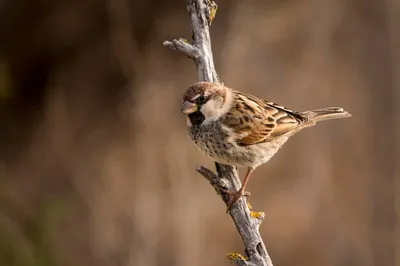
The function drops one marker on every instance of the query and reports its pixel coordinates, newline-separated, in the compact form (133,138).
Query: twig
(202,13)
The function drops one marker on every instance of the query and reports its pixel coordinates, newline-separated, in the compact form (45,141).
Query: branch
(202,13)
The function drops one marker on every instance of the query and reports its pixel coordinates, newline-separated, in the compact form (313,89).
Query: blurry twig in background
(202,13)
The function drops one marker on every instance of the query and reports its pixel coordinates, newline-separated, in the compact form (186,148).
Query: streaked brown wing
(256,121)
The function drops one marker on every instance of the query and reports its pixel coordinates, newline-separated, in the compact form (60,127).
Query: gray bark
(247,222)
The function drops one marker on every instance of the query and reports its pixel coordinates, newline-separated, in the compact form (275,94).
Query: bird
(242,130)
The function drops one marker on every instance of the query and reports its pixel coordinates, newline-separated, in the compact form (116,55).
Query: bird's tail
(326,114)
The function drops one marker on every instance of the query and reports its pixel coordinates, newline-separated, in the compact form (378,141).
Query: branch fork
(247,222)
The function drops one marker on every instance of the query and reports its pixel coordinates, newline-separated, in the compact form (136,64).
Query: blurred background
(95,164)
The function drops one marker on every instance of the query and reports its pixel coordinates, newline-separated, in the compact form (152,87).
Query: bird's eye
(201,99)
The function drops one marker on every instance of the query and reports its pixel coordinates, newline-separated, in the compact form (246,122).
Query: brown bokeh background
(95,164)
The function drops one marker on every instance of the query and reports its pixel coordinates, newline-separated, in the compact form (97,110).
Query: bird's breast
(217,143)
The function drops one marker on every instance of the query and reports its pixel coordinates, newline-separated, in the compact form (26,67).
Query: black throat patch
(196,118)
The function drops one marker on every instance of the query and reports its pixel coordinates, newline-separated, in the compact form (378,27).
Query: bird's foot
(234,197)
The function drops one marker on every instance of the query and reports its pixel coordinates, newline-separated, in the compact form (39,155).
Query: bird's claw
(234,197)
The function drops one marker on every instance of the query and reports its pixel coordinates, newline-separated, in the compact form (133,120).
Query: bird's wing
(255,120)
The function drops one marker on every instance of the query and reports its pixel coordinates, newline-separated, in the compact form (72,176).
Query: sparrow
(242,130)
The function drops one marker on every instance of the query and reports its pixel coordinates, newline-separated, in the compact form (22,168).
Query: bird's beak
(188,107)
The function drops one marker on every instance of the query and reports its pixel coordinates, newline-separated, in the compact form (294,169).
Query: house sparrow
(242,130)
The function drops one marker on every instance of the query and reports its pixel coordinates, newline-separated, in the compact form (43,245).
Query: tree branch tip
(200,168)
(184,47)
(221,184)
(207,173)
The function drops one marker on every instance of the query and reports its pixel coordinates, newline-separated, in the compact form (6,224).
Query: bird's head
(204,102)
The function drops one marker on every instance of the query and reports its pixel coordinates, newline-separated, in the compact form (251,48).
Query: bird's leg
(235,196)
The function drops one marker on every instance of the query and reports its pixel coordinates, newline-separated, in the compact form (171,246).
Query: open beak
(188,107)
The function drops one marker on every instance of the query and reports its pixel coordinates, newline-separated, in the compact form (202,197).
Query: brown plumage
(240,129)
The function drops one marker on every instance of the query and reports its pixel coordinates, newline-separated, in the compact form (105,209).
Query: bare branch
(183,46)
(202,13)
